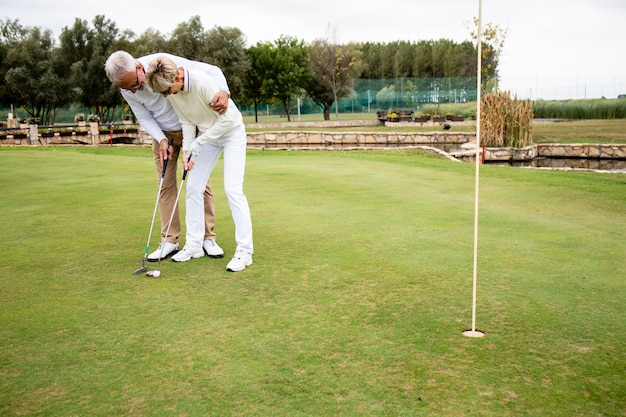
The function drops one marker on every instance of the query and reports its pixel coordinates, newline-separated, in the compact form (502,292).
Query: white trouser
(233,146)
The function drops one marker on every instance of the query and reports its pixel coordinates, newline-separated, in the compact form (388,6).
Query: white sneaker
(187,253)
(212,249)
(239,261)
(167,249)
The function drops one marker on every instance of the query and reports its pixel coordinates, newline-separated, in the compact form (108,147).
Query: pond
(594,164)
(610,162)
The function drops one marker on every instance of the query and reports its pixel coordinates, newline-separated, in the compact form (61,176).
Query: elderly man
(156,116)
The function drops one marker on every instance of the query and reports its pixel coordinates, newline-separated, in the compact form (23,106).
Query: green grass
(355,304)
(582,131)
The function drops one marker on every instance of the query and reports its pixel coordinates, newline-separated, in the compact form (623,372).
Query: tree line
(41,74)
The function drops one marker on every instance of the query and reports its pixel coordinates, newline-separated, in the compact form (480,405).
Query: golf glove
(194,149)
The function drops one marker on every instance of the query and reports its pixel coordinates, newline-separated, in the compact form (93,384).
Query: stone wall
(544,150)
(79,134)
(340,140)
(601,151)
(450,144)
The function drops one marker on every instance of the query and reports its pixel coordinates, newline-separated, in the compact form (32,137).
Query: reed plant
(505,121)
(600,109)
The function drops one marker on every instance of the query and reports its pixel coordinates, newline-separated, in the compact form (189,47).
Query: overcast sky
(554,49)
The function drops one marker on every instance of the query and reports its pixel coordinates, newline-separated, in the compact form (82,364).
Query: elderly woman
(206,136)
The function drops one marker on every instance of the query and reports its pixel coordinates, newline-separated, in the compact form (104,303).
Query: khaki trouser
(169,191)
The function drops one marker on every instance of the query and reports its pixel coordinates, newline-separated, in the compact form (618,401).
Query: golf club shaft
(156,205)
(182,181)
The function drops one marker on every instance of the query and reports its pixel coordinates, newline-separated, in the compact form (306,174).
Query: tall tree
(88,48)
(289,71)
(150,41)
(188,40)
(34,78)
(260,59)
(226,49)
(333,69)
(11,31)
(493,39)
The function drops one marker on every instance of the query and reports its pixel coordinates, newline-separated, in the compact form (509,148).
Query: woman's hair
(118,64)
(161,74)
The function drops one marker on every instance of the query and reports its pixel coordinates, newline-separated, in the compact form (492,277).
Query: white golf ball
(156,274)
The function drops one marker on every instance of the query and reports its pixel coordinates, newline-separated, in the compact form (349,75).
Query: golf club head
(140,270)
(143,267)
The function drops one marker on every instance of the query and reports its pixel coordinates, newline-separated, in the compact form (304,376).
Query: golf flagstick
(157,272)
(473,332)
(156,205)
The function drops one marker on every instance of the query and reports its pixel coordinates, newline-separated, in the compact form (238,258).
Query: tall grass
(505,121)
(580,109)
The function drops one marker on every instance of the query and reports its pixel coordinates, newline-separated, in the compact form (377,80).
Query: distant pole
(473,332)
(298,108)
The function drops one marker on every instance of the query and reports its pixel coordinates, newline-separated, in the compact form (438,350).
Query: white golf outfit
(218,134)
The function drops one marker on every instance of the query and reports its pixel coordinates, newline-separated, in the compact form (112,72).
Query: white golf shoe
(188,253)
(240,261)
(212,249)
(164,250)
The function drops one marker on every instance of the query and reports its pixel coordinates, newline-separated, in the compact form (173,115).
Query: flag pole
(473,332)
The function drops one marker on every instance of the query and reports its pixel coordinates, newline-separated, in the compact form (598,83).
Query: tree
(226,49)
(403,58)
(149,42)
(260,59)
(34,78)
(333,69)
(289,70)
(493,38)
(188,40)
(10,33)
(87,49)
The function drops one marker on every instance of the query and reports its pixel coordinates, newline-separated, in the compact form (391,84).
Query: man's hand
(165,149)
(220,102)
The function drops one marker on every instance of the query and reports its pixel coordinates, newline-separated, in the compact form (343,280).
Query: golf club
(156,205)
(157,272)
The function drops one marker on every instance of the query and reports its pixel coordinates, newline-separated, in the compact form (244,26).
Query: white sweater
(192,106)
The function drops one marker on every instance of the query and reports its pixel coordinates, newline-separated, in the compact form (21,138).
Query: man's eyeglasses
(136,86)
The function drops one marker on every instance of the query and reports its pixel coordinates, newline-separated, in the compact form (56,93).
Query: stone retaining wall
(545,150)
(452,144)
(582,150)
(339,140)
(81,134)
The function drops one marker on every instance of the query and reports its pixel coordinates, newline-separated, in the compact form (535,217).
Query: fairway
(355,304)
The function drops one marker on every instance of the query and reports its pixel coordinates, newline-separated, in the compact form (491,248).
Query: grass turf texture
(355,304)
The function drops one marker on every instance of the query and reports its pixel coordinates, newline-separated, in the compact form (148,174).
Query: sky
(554,49)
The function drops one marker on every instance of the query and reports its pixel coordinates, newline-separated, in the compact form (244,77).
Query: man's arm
(148,123)
(220,100)
(212,70)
